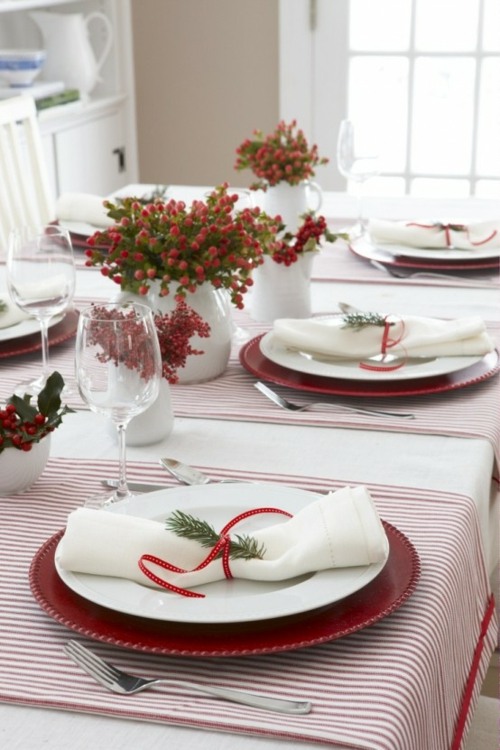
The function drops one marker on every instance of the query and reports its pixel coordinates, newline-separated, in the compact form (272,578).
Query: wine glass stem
(359,193)
(44,329)
(122,489)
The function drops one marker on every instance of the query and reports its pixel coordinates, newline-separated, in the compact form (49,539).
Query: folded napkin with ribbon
(10,314)
(405,336)
(83,207)
(342,529)
(436,235)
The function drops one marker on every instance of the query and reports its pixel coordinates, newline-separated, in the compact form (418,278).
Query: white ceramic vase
(281,291)
(292,201)
(214,306)
(20,469)
(156,423)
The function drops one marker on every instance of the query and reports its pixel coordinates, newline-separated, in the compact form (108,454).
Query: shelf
(13,5)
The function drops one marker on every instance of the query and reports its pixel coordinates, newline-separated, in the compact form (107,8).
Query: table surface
(453,464)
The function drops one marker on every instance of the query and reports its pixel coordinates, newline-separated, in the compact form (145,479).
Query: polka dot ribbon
(224,544)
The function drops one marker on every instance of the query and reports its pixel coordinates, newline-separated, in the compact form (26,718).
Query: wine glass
(41,281)
(118,370)
(356,167)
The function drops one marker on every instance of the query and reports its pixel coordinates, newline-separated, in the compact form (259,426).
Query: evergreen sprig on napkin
(188,526)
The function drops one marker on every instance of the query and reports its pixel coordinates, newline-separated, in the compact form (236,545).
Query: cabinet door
(90,156)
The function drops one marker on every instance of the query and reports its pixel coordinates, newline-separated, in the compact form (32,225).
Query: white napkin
(421,337)
(11,315)
(341,529)
(83,207)
(427,234)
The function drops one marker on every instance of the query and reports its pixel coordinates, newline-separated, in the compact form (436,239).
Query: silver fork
(126,684)
(290,406)
(403,274)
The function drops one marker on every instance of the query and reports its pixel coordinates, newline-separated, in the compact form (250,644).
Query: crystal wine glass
(41,281)
(356,167)
(118,371)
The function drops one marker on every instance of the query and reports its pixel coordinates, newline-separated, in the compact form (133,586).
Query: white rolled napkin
(430,235)
(420,337)
(11,314)
(83,207)
(342,529)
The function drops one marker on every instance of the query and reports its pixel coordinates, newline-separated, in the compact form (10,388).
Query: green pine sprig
(359,320)
(189,527)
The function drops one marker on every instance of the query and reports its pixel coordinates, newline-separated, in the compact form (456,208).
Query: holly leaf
(49,399)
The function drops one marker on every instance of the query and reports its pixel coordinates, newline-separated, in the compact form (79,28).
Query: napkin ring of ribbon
(448,228)
(386,344)
(223,544)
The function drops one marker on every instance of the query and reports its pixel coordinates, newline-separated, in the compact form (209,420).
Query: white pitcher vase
(211,304)
(281,291)
(70,55)
(292,201)
(156,423)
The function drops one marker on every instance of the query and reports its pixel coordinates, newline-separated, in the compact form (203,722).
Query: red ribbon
(387,343)
(455,227)
(223,544)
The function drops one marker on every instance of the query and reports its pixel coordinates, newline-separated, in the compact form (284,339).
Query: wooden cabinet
(90,146)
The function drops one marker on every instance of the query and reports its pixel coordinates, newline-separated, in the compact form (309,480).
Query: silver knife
(135,486)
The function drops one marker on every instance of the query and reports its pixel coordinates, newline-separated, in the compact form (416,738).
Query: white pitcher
(70,57)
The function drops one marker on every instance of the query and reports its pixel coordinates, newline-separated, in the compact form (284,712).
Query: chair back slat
(25,194)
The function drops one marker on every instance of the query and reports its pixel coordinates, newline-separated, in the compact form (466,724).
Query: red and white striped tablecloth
(470,412)
(408,682)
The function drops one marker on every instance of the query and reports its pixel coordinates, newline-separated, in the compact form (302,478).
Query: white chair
(25,192)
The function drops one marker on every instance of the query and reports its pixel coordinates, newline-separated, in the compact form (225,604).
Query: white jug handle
(109,35)
(316,190)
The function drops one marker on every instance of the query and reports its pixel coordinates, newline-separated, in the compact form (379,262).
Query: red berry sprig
(307,238)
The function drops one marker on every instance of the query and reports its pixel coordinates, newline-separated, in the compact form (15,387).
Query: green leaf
(49,399)
(25,410)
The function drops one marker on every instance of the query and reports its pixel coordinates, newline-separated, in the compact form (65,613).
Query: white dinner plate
(225,601)
(80,227)
(25,328)
(443,254)
(349,369)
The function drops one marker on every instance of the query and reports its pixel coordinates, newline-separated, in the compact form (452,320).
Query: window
(419,78)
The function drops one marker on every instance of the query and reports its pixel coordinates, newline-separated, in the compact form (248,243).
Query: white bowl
(20,67)
(20,469)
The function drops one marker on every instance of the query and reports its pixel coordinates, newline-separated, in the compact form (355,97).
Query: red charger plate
(58,333)
(382,596)
(255,362)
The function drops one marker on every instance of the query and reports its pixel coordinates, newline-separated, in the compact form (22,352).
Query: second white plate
(348,369)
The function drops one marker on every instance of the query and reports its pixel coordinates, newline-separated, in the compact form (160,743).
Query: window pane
(377,105)
(429,188)
(488,140)
(446,25)
(443,115)
(385,186)
(491,27)
(488,189)
(370,30)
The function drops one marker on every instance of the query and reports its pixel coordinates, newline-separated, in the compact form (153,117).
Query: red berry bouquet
(22,424)
(182,247)
(281,156)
